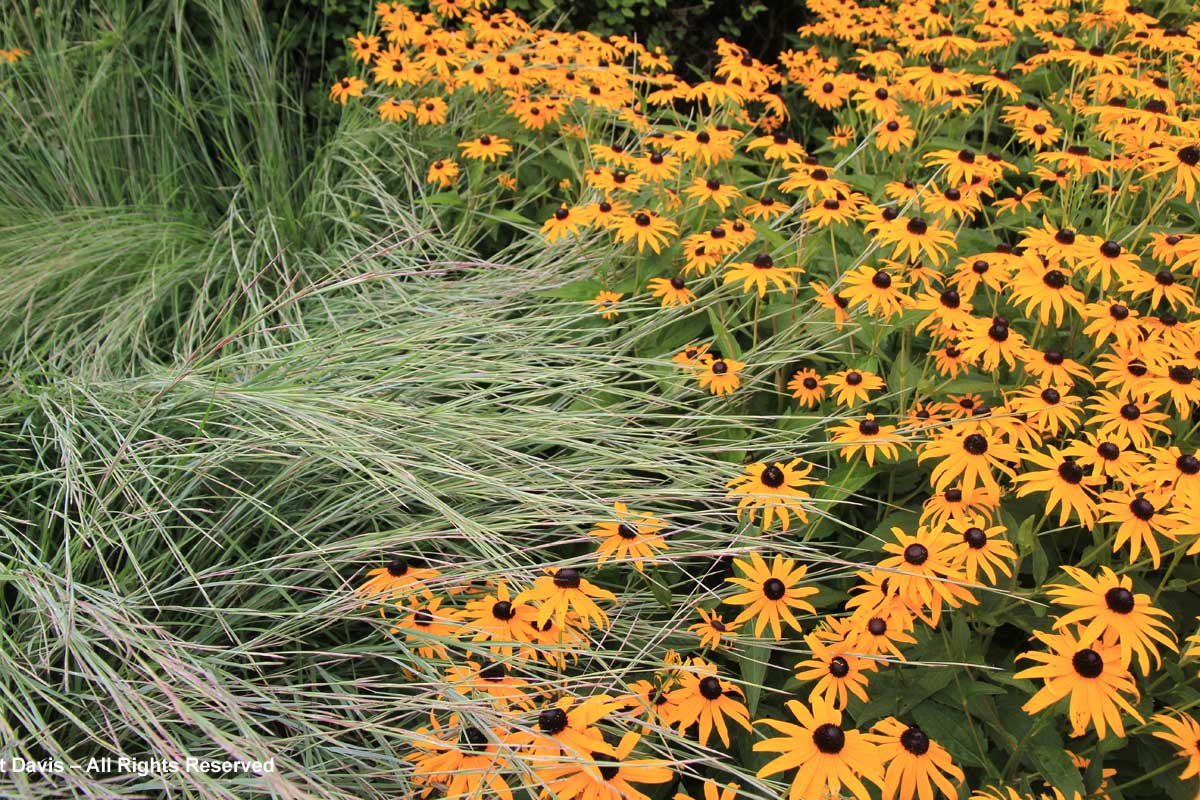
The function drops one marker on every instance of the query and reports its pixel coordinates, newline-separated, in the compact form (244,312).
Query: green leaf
(950,730)
(727,344)
(1056,767)
(577,290)
(754,667)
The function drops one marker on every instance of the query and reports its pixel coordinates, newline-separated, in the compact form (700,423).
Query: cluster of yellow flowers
(996,194)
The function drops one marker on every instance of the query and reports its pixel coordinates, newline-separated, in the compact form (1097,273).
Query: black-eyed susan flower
(658,167)
(711,190)
(775,489)
(1052,368)
(765,208)
(924,573)
(771,593)
(833,301)
(760,273)
(1046,409)
(692,356)
(968,458)
(633,537)
(1045,288)
(980,548)
(868,436)
(1064,482)
(567,729)
(397,581)
(1180,385)
(990,342)
(565,590)
(953,503)
(563,222)
(913,763)
(882,291)
(1105,607)
(720,375)
(500,620)
(347,87)
(1181,162)
(645,228)
(463,760)
(713,629)
(837,673)
(443,172)
(606,303)
(806,386)
(851,386)
(486,148)
(651,700)
(827,757)
(672,291)
(1139,521)
(706,701)
(1171,467)
(1091,676)
(895,134)
(1125,419)
(428,626)
(396,110)
(431,111)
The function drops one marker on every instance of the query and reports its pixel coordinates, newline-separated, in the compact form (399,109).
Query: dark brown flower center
(1087,662)
(1142,508)
(839,667)
(397,567)
(975,444)
(503,610)
(916,554)
(710,688)
(774,589)
(975,538)
(1119,600)
(552,721)
(772,477)
(868,427)
(567,578)
(1070,472)
(915,741)
(829,738)
(1055,279)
